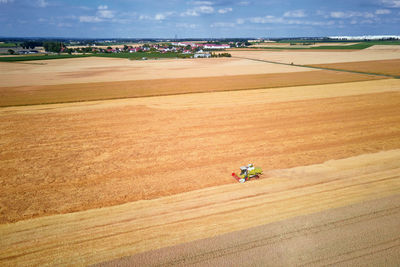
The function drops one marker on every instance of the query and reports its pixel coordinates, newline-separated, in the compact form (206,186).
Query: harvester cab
(243,170)
(247,172)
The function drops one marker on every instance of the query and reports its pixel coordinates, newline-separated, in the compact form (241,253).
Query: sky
(197,19)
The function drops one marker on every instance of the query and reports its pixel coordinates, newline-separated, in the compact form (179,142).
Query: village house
(134,49)
(202,55)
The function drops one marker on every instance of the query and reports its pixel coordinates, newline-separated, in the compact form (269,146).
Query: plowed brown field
(388,67)
(42,94)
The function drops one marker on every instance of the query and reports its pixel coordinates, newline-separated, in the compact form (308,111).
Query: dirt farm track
(147,180)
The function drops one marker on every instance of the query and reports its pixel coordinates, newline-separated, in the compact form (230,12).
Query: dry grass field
(91,182)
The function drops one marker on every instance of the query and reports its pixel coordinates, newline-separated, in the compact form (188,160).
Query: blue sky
(189,19)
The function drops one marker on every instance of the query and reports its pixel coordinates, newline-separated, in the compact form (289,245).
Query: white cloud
(64,24)
(266,19)
(338,14)
(283,20)
(90,19)
(223,25)
(102,14)
(350,14)
(158,16)
(6,1)
(107,14)
(225,10)
(240,21)
(391,3)
(295,14)
(382,11)
(42,3)
(205,9)
(244,3)
(201,3)
(186,25)
(144,17)
(197,11)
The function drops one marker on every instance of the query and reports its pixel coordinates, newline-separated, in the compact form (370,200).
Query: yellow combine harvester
(247,172)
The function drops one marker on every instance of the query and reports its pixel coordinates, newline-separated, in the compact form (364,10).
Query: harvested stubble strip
(33,95)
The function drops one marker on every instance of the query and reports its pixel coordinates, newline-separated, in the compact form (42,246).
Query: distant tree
(109,47)
(30,44)
(11,52)
(126,47)
(55,47)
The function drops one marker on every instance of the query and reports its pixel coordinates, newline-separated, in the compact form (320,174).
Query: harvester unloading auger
(247,172)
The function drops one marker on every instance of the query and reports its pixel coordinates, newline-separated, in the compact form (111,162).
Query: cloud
(391,3)
(106,14)
(225,10)
(283,20)
(186,25)
(266,19)
(202,3)
(382,11)
(197,11)
(42,3)
(158,16)
(90,19)
(102,14)
(240,21)
(205,9)
(350,14)
(295,14)
(244,3)
(338,14)
(223,25)
(6,1)
(64,24)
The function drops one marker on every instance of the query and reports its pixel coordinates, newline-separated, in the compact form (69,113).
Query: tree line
(49,46)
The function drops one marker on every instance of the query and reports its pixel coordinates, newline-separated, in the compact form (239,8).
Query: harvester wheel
(242,180)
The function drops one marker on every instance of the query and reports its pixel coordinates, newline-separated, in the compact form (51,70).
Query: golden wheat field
(112,162)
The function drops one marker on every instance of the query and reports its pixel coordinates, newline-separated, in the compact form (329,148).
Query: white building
(202,55)
(366,37)
(216,46)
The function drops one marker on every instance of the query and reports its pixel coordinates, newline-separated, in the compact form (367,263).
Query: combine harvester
(247,172)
